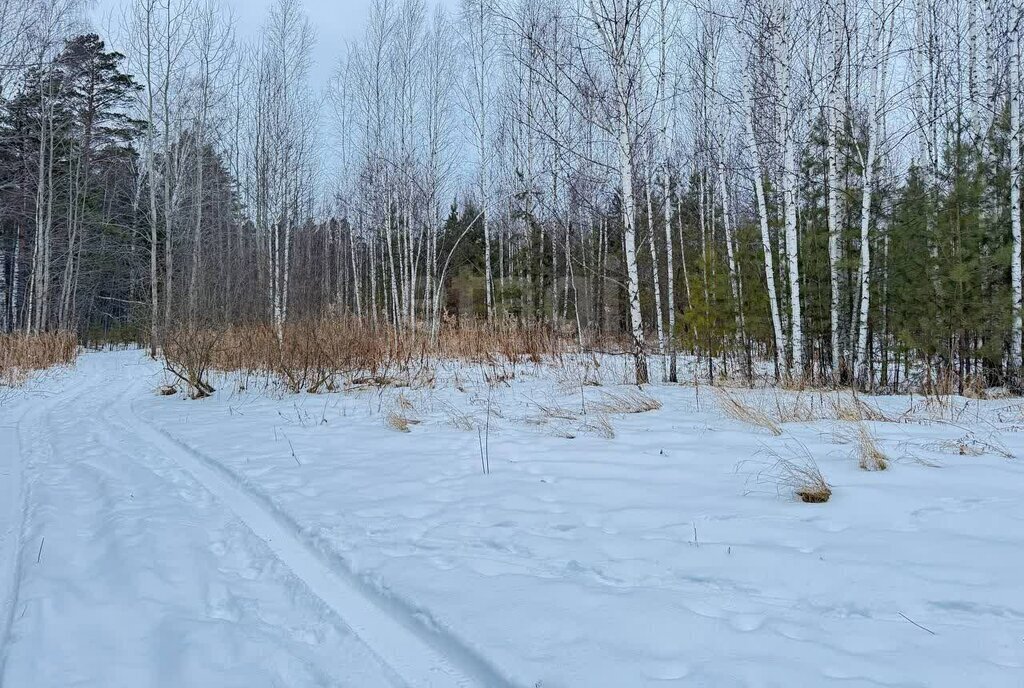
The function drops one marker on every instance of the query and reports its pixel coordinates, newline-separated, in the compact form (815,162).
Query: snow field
(663,555)
(258,538)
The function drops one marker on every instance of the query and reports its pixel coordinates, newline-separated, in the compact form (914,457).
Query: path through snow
(139,565)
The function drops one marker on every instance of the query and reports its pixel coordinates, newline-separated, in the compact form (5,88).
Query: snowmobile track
(417,654)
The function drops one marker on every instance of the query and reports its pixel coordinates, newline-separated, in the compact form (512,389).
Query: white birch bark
(789,199)
(1016,180)
(833,118)
(766,241)
(878,56)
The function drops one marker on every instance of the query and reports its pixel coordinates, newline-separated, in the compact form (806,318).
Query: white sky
(335,21)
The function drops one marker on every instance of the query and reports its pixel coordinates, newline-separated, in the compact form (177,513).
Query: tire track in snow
(421,656)
(12,459)
(91,418)
(15,450)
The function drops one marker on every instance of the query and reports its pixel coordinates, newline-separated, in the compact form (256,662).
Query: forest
(826,190)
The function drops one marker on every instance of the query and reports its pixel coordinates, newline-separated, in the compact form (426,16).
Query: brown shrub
(188,355)
(314,355)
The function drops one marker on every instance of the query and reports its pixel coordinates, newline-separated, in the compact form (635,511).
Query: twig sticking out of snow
(915,623)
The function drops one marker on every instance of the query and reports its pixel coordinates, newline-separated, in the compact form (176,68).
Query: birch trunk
(789,202)
(877,53)
(1015,189)
(834,244)
(766,243)
(656,277)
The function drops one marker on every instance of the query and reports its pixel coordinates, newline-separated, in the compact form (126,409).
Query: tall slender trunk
(834,239)
(789,202)
(666,202)
(625,163)
(659,305)
(730,247)
(1016,180)
(766,243)
(879,65)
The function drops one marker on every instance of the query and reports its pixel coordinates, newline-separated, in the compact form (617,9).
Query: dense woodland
(831,185)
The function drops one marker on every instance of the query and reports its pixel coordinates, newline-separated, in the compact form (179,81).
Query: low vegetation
(23,354)
(794,471)
(734,407)
(318,355)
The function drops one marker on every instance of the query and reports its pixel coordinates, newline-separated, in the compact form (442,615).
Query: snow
(258,538)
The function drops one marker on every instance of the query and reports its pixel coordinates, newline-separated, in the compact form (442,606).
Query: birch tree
(617,25)
(877,56)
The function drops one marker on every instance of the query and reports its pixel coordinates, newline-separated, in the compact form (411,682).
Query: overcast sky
(335,21)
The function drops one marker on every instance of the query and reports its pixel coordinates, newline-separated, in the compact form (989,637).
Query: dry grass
(970,444)
(21,354)
(736,409)
(869,456)
(400,421)
(598,424)
(795,408)
(628,401)
(552,411)
(316,355)
(850,407)
(796,472)
(461,421)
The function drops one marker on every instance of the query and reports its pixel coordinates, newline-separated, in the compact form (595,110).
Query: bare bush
(316,355)
(189,354)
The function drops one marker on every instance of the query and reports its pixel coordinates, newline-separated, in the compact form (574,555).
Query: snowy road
(137,564)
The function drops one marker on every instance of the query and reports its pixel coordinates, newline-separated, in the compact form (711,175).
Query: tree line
(833,186)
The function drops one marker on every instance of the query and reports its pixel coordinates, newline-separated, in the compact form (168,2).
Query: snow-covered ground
(257,538)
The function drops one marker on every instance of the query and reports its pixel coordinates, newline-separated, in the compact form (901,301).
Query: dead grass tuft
(796,472)
(628,401)
(795,408)
(850,407)
(971,444)
(870,456)
(399,421)
(598,424)
(736,409)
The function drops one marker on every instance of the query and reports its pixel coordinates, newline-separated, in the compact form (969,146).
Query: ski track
(13,457)
(20,440)
(120,454)
(418,655)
